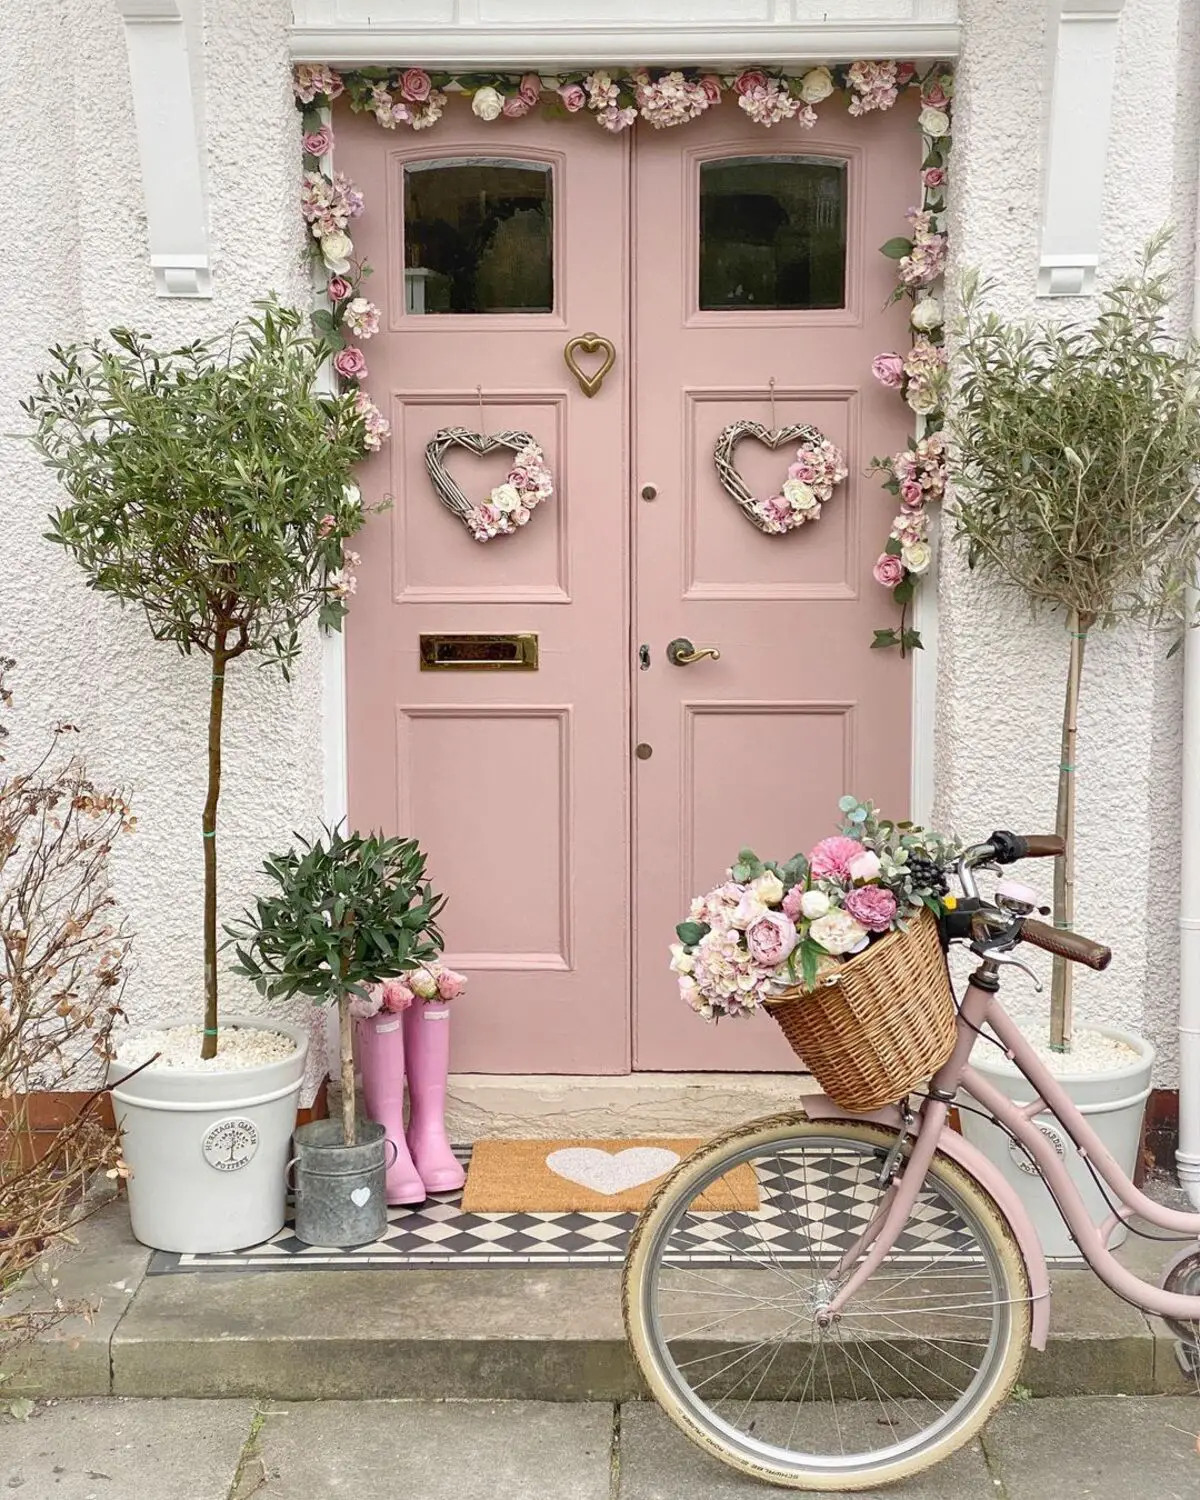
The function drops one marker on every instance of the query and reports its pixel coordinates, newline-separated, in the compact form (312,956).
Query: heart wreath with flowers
(509,505)
(811,476)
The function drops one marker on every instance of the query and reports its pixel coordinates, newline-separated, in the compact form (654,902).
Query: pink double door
(571,809)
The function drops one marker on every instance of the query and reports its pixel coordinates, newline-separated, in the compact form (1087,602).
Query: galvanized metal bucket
(339,1189)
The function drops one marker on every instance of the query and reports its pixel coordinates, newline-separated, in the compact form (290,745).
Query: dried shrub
(64,951)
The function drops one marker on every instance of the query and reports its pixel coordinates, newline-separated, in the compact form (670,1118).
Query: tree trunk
(1064,825)
(346,1048)
(216,709)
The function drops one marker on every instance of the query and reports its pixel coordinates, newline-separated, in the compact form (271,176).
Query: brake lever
(1016,963)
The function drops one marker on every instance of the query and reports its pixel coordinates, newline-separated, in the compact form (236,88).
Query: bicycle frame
(980,1006)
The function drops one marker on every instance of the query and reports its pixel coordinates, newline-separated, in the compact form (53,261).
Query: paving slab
(104,1268)
(474,1334)
(1094,1448)
(377,1450)
(116,1450)
(1098,1344)
(656,1462)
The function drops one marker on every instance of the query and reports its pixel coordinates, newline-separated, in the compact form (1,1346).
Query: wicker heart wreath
(510,504)
(817,467)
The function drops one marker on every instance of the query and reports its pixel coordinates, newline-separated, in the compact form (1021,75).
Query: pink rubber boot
(427,1058)
(381,1058)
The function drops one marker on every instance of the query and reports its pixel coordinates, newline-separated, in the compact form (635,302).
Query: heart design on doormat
(817,467)
(611,1172)
(509,505)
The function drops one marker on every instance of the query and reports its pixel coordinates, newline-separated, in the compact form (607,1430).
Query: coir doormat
(587,1176)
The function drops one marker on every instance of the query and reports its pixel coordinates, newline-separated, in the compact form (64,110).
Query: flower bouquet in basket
(838,945)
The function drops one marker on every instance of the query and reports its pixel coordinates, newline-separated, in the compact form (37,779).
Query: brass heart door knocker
(589,343)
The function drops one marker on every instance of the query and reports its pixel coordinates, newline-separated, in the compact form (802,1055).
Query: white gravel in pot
(1091,1052)
(238,1047)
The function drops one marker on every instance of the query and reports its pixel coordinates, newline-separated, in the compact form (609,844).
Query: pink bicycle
(867,1317)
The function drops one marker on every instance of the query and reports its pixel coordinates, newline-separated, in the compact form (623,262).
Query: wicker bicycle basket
(878,1025)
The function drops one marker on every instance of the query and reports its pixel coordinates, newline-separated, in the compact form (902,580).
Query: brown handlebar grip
(1070,945)
(1044,845)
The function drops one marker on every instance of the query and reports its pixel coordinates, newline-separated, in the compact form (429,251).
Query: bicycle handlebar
(1064,944)
(1007,848)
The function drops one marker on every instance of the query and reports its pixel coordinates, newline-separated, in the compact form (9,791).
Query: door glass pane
(479,236)
(772,232)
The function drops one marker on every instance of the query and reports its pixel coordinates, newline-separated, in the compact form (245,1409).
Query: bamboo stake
(1064,825)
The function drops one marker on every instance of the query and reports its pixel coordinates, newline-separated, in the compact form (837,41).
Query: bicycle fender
(989,1178)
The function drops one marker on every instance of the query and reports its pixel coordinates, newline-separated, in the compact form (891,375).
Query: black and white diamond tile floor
(439,1235)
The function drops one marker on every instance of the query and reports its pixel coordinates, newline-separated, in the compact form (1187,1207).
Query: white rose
(934,122)
(926,315)
(768,888)
(799,495)
(488,104)
(749,909)
(336,250)
(351,494)
(864,866)
(682,961)
(916,556)
(838,932)
(923,398)
(422,983)
(506,499)
(817,84)
(814,904)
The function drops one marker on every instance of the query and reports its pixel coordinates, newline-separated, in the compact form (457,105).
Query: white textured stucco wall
(1001,676)
(83,267)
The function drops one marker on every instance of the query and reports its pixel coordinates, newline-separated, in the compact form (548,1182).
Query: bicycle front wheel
(721,1308)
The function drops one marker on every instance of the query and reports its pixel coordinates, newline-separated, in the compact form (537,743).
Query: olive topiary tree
(345,914)
(211,486)
(1074,456)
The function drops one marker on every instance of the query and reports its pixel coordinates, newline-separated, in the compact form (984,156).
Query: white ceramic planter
(206,1150)
(1113,1103)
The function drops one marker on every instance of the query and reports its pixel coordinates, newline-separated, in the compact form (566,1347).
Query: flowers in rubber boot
(769,928)
(435,981)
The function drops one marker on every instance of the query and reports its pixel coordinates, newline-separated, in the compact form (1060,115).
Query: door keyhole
(644,658)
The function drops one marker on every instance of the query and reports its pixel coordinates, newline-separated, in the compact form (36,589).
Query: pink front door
(571,811)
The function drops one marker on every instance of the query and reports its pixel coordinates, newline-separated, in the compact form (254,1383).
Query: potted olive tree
(346,914)
(1074,459)
(211,488)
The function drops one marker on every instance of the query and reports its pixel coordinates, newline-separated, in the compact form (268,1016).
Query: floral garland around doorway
(417,99)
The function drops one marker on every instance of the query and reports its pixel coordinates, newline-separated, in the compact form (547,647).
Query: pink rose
(933,177)
(791,902)
(396,995)
(864,866)
(872,906)
(450,985)
(572,96)
(325,525)
(911,493)
(888,369)
(350,363)
(831,857)
(770,938)
(318,142)
(363,1007)
(415,85)
(889,571)
(934,97)
(905,73)
(530,88)
(515,107)
(711,85)
(339,289)
(747,82)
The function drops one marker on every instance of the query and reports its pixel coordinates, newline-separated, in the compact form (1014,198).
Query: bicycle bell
(1020,900)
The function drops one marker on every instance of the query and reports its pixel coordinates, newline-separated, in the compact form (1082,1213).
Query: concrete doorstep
(530,1333)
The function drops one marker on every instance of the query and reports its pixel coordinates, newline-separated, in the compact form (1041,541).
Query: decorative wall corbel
(1081,39)
(169,145)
